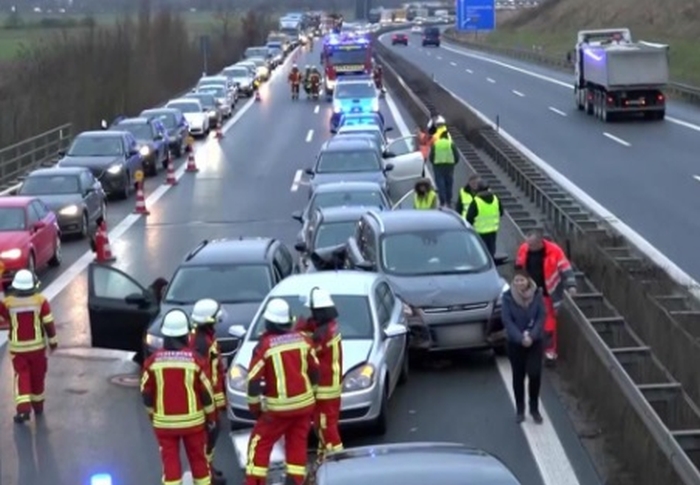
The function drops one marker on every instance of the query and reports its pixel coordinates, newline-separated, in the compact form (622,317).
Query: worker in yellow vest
(437,126)
(466,195)
(484,214)
(424,196)
(444,156)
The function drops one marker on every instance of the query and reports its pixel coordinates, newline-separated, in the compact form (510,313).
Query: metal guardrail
(659,423)
(38,151)
(675,89)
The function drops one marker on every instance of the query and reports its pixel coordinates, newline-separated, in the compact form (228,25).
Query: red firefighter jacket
(283,373)
(31,322)
(203,341)
(329,352)
(177,391)
(558,273)
(295,77)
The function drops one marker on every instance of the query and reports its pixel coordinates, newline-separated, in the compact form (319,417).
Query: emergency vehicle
(346,55)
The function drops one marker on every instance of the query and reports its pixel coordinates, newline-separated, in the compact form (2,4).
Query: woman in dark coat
(523,314)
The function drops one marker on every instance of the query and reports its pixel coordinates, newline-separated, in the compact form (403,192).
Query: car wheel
(381,423)
(405,368)
(84,226)
(152,169)
(178,151)
(57,253)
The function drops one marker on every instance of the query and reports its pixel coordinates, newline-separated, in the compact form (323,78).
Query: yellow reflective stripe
(256,370)
(178,421)
(53,340)
(209,390)
(47,319)
(253,399)
(36,397)
(278,366)
(251,470)
(298,470)
(325,393)
(202,481)
(160,403)
(172,482)
(297,402)
(19,398)
(144,380)
(189,389)
(171,364)
(219,399)
(335,347)
(26,346)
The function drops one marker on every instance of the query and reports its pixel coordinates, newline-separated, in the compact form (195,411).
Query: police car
(354,96)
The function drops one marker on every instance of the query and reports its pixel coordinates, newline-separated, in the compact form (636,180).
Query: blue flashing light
(101,479)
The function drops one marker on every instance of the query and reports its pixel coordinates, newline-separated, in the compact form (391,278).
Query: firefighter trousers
(268,429)
(30,377)
(326,417)
(195,443)
(550,329)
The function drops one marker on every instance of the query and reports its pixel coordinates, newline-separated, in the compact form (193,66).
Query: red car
(29,236)
(399,39)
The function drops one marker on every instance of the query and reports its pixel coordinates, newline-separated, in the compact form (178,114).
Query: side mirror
(61,153)
(395,330)
(237,331)
(389,167)
(301,247)
(389,154)
(501,259)
(133,151)
(365,265)
(309,172)
(138,299)
(388,129)
(39,225)
(298,216)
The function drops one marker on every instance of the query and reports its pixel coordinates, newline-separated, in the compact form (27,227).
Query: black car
(113,157)
(431,36)
(401,39)
(175,124)
(152,138)
(238,273)
(327,228)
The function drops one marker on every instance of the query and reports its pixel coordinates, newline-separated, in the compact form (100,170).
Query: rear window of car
(432,31)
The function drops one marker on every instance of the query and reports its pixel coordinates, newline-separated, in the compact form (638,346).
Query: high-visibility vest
(438,134)
(443,152)
(425,202)
(31,322)
(489,217)
(466,199)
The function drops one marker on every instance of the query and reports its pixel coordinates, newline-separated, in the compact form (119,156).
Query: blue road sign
(476,15)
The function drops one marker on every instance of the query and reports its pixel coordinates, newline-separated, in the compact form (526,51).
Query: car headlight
(154,342)
(505,288)
(145,150)
(11,254)
(71,210)
(358,379)
(375,105)
(238,378)
(115,169)
(212,112)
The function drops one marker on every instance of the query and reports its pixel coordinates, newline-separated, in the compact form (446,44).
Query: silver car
(242,77)
(375,344)
(222,95)
(219,80)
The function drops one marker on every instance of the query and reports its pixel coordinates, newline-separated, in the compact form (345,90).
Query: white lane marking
(469,71)
(317,109)
(557,111)
(297,180)
(453,63)
(550,456)
(543,440)
(518,94)
(616,139)
(696,177)
(551,80)
(490,80)
(637,240)
(309,136)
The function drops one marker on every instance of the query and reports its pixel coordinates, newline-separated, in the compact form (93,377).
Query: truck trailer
(616,76)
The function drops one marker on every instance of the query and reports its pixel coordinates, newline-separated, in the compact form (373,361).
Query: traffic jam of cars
(403,280)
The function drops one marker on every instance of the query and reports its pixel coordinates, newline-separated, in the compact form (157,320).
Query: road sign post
(476,15)
(204,46)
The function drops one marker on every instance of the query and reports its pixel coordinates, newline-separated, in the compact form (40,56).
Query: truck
(616,76)
(291,27)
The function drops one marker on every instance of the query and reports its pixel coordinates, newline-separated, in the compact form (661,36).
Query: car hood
(355,352)
(327,178)
(195,118)
(243,81)
(234,314)
(447,290)
(13,239)
(90,162)
(56,202)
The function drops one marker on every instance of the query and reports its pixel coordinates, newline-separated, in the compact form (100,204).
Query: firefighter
(179,398)
(295,81)
(205,315)
(281,381)
(315,81)
(377,75)
(307,79)
(323,329)
(31,324)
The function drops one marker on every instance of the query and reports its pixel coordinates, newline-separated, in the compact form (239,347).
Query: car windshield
(334,233)
(348,161)
(168,119)
(354,316)
(186,107)
(349,198)
(218,91)
(140,131)
(12,219)
(207,100)
(50,185)
(355,90)
(339,57)
(424,252)
(237,72)
(224,283)
(96,146)
(256,52)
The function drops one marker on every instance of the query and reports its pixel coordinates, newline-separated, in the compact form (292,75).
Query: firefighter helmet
(319,298)
(24,280)
(439,120)
(206,312)
(175,324)
(277,312)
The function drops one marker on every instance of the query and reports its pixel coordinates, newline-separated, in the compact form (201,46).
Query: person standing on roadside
(523,314)
(549,267)
(484,214)
(466,195)
(444,156)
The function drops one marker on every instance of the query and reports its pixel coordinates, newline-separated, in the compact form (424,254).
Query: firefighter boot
(21,418)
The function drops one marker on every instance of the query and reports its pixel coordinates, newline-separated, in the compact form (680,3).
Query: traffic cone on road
(101,246)
(191,163)
(140,201)
(219,133)
(170,178)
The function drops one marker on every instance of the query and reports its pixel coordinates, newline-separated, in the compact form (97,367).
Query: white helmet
(439,120)
(277,311)
(294,66)
(175,324)
(24,280)
(319,298)
(206,312)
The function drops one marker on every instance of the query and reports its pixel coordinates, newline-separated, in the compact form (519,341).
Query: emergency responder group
(310,79)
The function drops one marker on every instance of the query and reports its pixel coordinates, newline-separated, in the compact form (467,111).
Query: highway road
(646,174)
(247,185)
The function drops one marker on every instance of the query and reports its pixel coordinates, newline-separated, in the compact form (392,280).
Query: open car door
(405,202)
(119,308)
(408,163)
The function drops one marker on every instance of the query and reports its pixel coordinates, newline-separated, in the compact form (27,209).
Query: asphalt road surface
(247,185)
(647,174)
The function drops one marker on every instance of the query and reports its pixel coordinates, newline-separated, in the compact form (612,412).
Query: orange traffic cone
(140,201)
(170,178)
(219,133)
(191,163)
(102,248)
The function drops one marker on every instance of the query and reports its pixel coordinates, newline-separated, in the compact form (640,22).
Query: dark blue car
(152,137)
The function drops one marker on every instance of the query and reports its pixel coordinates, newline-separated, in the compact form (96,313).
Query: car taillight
(660,98)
